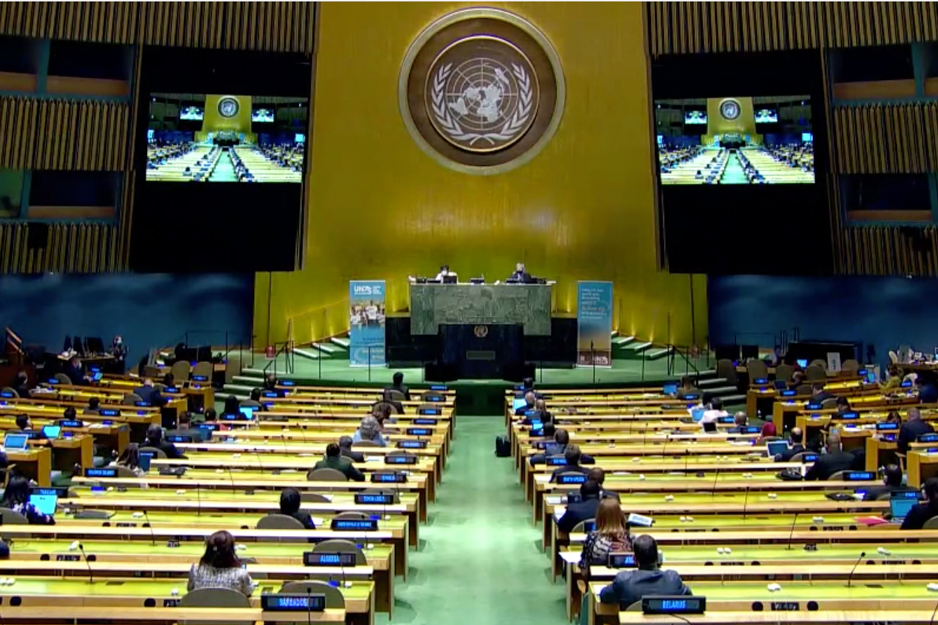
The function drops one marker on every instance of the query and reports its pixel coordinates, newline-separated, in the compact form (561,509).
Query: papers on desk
(318,521)
(559,511)
(570,557)
(374,458)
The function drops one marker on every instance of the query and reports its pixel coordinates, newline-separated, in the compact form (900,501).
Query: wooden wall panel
(885,138)
(691,27)
(63,134)
(73,248)
(275,26)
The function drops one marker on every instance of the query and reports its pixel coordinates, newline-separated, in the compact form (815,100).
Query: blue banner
(594,324)
(366,320)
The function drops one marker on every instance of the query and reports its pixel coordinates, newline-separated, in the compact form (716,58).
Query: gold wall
(379,208)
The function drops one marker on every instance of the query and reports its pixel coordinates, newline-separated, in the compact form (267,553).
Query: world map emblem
(481,91)
(729,109)
(228,106)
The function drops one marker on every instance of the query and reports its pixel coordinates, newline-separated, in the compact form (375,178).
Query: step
(657,354)
(622,341)
(733,399)
(723,390)
(341,341)
(707,383)
(327,348)
(307,353)
(245,380)
(240,389)
(637,347)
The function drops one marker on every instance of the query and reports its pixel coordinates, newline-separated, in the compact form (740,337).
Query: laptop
(97,376)
(15,441)
(901,503)
(697,414)
(802,362)
(247,412)
(45,500)
(775,448)
(871,377)
(670,390)
(51,432)
(143,460)
(518,402)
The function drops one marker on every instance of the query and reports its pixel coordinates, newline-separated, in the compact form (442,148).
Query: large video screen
(213,138)
(735,140)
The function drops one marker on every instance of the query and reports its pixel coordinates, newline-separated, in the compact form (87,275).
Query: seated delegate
(892,482)
(220,567)
(574,459)
(795,447)
(834,461)
(559,447)
(290,506)
(923,511)
(648,579)
(334,460)
(597,475)
(913,427)
(369,430)
(345,447)
(582,510)
(130,460)
(155,440)
(16,498)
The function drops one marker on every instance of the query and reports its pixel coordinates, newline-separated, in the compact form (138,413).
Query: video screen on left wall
(226,138)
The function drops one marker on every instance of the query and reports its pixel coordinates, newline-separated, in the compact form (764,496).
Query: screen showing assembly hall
(226,138)
(735,140)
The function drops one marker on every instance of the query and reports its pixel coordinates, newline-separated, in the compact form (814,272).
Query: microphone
(283,438)
(81,547)
(309,607)
(932,619)
(792,532)
(745,502)
(715,478)
(853,570)
(198,495)
(259,463)
(150,525)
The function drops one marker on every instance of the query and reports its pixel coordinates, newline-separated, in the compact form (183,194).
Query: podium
(479,352)
(433,305)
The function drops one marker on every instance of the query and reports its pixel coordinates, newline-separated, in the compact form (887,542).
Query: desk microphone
(81,548)
(715,478)
(283,437)
(853,570)
(309,607)
(792,532)
(198,495)
(150,525)
(932,619)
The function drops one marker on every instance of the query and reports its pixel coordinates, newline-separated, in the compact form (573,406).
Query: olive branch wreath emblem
(509,129)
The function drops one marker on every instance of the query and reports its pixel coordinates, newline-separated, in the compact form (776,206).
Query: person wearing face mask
(119,351)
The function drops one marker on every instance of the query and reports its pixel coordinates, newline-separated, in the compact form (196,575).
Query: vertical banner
(366,320)
(594,324)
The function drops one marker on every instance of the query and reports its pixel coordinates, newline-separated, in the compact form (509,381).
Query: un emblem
(729,109)
(481,331)
(481,90)
(228,106)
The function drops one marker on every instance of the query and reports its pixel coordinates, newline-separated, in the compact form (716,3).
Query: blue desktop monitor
(901,504)
(517,403)
(802,362)
(247,412)
(144,460)
(44,501)
(669,389)
(51,432)
(15,441)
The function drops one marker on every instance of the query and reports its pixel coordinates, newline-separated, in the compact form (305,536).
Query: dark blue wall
(884,312)
(147,310)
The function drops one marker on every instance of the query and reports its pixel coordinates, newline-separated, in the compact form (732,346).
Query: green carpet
(224,170)
(733,172)
(480,561)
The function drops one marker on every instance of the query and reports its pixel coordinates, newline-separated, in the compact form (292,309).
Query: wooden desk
(34,463)
(166,616)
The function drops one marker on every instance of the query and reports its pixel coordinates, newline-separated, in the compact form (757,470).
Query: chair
(756,369)
(931,524)
(7,389)
(180,371)
(850,365)
(214,598)
(635,607)
(815,373)
(124,472)
(829,403)
(784,372)
(131,399)
(366,444)
(62,378)
(893,357)
(581,526)
(204,368)
(334,598)
(313,498)
(157,453)
(799,457)
(883,497)
(396,395)
(277,521)
(727,370)
(350,515)
(804,389)
(836,476)
(11,517)
(326,475)
(340,545)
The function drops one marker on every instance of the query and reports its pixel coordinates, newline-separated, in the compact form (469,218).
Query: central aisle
(479,561)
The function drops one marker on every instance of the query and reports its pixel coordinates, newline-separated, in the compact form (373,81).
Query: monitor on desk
(97,376)
(247,412)
(15,441)
(518,402)
(51,432)
(871,377)
(775,448)
(901,503)
(802,362)
(45,500)
(670,390)
(144,459)
(450,279)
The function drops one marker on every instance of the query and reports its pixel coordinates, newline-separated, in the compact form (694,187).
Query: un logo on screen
(481,90)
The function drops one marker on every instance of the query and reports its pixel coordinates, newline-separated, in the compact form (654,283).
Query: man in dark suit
(75,371)
(520,274)
(398,385)
(597,475)
(345,447)
(388,400)
(913,427)
(155,439)
(150,393)
(797,446)
(334,460)
(631,586)
(818,394)
(581,510)
(529,399)
(574,458)
(833,461)
(21,385)
(892,482)
(922,512)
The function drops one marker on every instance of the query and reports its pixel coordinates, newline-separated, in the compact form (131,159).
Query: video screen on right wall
(735,140)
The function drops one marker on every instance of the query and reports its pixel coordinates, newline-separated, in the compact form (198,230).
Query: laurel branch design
(511,127)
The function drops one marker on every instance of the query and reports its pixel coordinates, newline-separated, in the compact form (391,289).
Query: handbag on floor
(502,446)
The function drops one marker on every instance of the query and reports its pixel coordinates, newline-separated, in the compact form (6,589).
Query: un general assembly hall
(431,313)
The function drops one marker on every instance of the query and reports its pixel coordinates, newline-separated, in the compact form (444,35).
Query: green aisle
(479,560)
(224,170)
(733,173)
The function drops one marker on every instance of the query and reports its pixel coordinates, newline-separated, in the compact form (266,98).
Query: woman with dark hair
(130,459)
(16,498)
(232,407)
(220,566)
